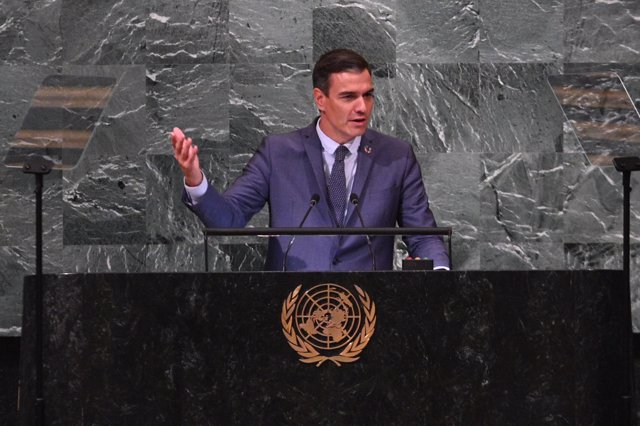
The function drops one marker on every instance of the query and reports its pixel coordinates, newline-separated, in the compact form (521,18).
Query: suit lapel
(313,148)
(365,162)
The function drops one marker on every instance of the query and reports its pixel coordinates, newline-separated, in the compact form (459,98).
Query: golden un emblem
(328,323)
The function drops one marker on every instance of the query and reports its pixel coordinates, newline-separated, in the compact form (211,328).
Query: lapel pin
(367,149)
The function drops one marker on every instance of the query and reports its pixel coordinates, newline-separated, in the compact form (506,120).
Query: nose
(360,105)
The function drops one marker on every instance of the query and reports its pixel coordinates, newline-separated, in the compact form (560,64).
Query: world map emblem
(328,323)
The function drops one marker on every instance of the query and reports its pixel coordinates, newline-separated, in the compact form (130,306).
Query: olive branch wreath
(308,353)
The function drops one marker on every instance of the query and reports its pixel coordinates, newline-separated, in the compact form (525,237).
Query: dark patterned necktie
(338,185)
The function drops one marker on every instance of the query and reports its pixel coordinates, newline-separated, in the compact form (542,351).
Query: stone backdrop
(464,81)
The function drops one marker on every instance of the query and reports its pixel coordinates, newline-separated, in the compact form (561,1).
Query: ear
(320,98)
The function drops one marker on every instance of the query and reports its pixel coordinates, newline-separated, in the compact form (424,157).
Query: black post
(38,167)
(626,165)
(626,248)
(626,228)
(206,253)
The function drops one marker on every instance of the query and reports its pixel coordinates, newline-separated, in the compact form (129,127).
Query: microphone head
(314,199)
(353,198)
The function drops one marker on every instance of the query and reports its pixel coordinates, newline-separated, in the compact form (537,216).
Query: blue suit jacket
(287,170)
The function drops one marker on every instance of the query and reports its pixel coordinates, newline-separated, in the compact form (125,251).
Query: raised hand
(186,153)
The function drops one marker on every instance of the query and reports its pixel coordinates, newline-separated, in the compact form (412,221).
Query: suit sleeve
(244,198)
(415,211)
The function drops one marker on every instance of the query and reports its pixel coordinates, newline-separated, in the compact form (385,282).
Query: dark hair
(335,61)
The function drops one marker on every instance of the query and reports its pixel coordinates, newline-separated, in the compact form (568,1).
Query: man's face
(346,109)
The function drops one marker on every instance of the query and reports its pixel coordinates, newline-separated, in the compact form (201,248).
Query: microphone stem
(306,214)
(356,204)
(312,204)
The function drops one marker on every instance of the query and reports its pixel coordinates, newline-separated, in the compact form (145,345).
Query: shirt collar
(330,146)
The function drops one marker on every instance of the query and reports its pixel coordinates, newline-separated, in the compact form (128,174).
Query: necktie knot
(341,153)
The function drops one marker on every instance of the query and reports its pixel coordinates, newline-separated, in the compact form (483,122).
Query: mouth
(359,121)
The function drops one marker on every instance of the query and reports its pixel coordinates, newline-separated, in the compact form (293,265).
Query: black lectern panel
(534,347)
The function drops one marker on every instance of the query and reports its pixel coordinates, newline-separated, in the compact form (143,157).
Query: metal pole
(39,167)
(626,184)
(626,165)
(626,249)
(206,253)
(39,414)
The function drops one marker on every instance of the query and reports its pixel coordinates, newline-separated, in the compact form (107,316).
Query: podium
(475,347)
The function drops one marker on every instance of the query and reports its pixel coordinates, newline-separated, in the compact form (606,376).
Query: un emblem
(328,323)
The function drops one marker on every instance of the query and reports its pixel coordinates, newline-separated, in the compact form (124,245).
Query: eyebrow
(368,92)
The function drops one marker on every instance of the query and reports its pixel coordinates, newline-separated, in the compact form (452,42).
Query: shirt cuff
(441,268)
(195,193)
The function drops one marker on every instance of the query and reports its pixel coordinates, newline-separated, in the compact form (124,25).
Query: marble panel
(246,131)
(522,197)
(384,117)
(244,257)
(465,254)
(594,255)
(267,99)
(594,204)
(19,84)
(17,200)
(571,142)
(107,205)
(194,98)
(15,263)
(120,209)
(98,258)
(433,31)
(629,73)
(225,255)
(104,193)
(367,27)
(400,252)
(270,31)
(602,31)
(600,113)
(18,207)
(168,220)
(231,254)
(121,125)
(103,33)
(632,83)
(453,185)
(178,257)
(30,32)
(593,124)
(187,32)
(529,31)
(18,237)
(439,107)
(519,111)
(520,255)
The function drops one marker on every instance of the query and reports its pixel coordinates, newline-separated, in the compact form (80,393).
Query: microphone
(353,199)
(312,203)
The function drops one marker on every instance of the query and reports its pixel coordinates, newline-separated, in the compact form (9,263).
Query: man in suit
(337,155)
